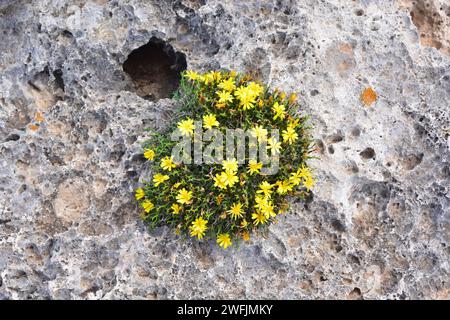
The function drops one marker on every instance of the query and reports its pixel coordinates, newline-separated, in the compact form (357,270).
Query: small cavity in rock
(337,225)
(355,294)
(59,78)
(356,131)
(367,153)
(335,138)
(12,137)
(155,69)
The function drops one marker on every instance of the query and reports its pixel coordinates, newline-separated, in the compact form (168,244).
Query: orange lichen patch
(346,48)
(341,58)
(33,127)
(38,117)
(432,22)
(368,96)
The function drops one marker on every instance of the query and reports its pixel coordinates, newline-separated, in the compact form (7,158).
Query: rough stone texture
(71,123)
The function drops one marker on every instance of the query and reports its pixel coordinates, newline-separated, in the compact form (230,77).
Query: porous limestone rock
(71,121)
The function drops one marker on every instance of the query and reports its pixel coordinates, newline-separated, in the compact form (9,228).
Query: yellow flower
(289,135)
(293,123)
(260,202)
(184,196)
(265,188)
(208,78)
(227,85)
(273,145)
(167,163)
(268,210)
(244,223)
(186,127)
(260,133)
(139,193)
(254,166)
(220,181)
(230,165)
(225,97)
(255,88)
(295,178)
(210,121)
(236,211)
(147,205)
(283,186)
(176,185)
(230,178)
(224,240)
(216,75)
(259,218)
(279,110)
(149,154)
(246,97)
(304,171)
(246,236)
(176,208)
(198,227)
(159,178)
(192,75)
(309,182)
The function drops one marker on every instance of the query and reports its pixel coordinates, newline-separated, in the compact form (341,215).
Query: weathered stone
(72,117)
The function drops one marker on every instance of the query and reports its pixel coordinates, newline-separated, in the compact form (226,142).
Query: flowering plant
(233,197)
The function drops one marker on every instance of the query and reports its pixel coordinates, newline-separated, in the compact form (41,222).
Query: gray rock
(71,123)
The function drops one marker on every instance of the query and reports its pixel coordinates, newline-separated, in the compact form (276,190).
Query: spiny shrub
(227,201)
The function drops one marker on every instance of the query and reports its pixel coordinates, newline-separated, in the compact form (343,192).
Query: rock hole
(335,137)
(337,225)
(413,160)
(12,137)
(59,79)
(356,131)
(355,294)
(367,153)
(67,34)
(353,259)
(155,69)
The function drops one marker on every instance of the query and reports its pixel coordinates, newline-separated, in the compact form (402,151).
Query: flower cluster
(230,200)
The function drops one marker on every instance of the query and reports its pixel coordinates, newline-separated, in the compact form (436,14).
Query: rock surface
(71,123)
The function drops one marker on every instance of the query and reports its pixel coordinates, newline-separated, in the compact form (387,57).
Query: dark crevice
(155,69)
(59,79)
(12,137)
(367,153)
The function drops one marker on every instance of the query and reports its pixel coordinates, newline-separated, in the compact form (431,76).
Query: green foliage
(224,201)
